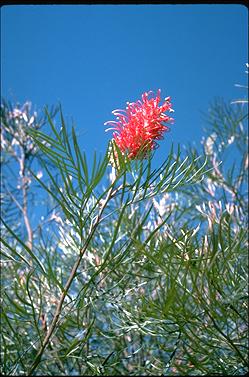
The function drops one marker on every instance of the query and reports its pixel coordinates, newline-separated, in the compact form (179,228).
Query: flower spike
(139,126)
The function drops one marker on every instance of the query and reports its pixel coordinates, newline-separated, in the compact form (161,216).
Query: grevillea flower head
(137,128)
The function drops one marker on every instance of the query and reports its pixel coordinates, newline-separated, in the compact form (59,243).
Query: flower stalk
(68,284)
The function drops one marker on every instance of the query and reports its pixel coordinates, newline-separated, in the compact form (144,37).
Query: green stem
(67,286)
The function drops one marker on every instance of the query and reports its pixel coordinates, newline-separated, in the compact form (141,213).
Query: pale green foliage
(162,286)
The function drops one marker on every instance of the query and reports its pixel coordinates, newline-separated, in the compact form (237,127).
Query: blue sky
(94,58)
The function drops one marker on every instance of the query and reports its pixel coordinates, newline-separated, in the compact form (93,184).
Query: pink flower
(139,126)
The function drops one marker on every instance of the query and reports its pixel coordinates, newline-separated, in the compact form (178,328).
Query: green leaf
(33,256)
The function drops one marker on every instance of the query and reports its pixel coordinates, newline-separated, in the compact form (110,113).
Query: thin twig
(22,163)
